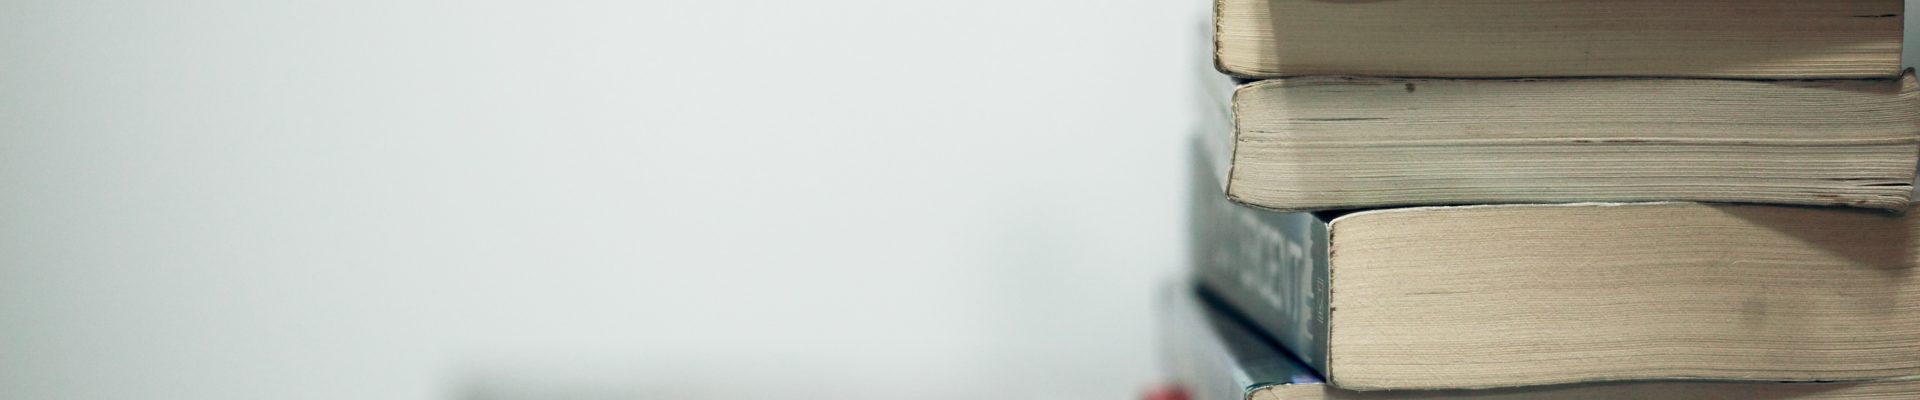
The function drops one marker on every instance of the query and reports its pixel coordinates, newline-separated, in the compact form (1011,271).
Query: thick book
(1759,39)
(1511,295)
(1215,355)
(1318,143)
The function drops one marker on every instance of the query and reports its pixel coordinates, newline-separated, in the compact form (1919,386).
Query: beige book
(1509,295)
(1773,39)
(1516,295)
(1213,355)
(1488,296)
(1315,143)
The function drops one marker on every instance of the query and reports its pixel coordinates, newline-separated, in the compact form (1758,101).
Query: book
(1514,295)
(1318,143)
(1757,39)
(1215,355)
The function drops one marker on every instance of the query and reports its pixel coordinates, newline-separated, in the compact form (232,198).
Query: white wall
(211,199)
(224,199)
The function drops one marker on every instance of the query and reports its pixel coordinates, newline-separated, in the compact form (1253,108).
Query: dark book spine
(1271,267)
(1216,355)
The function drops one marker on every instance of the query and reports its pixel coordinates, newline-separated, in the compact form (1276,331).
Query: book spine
(1271,267)
(1217,356)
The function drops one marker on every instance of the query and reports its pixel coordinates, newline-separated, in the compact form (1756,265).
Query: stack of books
(1554,199)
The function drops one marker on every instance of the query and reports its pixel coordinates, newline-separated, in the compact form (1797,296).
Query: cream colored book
(1317,143)
(1466,297)
(1214,355)
(1771,39)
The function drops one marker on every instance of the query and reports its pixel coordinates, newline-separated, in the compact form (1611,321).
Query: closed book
(1215,355)
(1514,295)
(1320,143)
(1758,39)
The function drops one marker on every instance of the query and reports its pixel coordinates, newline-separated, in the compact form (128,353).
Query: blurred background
(224,199)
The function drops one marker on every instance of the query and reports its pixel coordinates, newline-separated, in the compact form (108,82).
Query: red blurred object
(1165,392)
